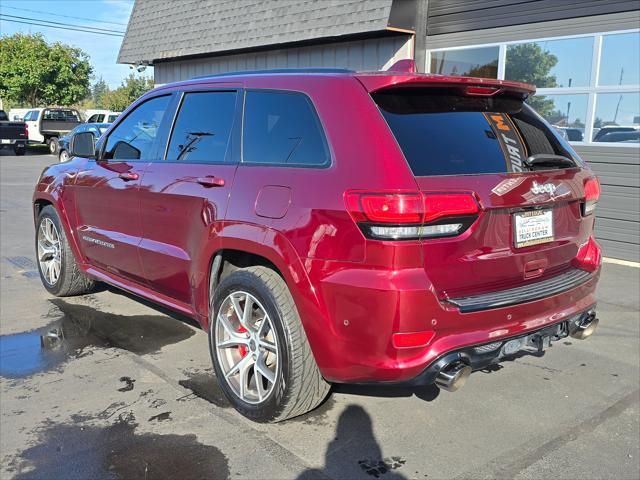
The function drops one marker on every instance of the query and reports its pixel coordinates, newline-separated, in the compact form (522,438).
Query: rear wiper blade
(548,160)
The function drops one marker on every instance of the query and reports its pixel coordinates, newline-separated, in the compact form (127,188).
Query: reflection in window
(617,113)
(133,138)
(567,113)
(620,60)
(202,130)
(553,63)
(471,62)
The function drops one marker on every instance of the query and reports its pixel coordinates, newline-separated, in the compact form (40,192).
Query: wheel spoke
(267,345)
(248,311)
(236,308)
(259,385)
(45,252)
(224,321)
(264,370)
(233,342)
(242,363)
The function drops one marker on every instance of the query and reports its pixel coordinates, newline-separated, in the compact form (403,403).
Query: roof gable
(164,29)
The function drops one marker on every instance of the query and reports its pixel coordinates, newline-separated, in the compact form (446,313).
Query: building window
(469,62)
(588,86)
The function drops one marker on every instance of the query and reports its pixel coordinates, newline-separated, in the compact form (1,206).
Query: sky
(105,14)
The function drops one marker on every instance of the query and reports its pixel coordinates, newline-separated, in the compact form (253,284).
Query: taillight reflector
(412,339)
(589,256)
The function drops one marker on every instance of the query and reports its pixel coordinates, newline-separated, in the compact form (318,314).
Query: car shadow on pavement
(428,393)
(354,443)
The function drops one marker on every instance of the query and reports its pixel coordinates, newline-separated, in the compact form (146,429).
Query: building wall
(618,212)
(369,54)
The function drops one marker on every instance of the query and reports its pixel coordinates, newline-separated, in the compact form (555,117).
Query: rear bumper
(364,307)
(13,142)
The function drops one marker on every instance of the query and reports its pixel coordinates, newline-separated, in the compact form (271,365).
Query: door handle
(128,176)
(210,181)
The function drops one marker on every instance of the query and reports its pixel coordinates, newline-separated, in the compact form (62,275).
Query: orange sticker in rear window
(510,142)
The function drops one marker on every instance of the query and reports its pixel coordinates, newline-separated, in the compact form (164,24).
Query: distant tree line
(34,73)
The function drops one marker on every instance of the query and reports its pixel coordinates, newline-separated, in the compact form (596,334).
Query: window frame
(320,166)
(153,157)
(592,90)
(233,159)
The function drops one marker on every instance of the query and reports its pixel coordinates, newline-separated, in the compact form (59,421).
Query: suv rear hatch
(482,140)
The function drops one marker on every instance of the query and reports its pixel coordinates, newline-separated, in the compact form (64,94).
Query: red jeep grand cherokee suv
(332,226)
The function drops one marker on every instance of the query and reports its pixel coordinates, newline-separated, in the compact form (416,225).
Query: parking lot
(108,386)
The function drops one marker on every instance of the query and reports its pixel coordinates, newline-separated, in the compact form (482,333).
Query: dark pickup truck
(13,134)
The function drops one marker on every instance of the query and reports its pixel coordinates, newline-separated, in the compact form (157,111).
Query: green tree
(130,89)
(35,73)
(529,63)
(98,91)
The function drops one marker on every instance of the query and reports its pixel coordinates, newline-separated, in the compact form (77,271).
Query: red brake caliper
(242,349)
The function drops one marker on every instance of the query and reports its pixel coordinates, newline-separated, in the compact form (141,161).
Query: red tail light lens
(412,339)
(385,208)
(591,195)
(589,256)
(438,205)
(410,215)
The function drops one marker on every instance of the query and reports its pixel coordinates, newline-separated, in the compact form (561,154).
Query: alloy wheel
(246,347)
(49,251)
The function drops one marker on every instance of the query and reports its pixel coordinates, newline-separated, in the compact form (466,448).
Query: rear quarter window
(282,128)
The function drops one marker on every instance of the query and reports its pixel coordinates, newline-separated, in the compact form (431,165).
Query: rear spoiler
(401,75)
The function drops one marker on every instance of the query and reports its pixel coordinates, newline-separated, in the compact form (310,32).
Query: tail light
(591,195)
(26,130)
(411,215)
(589,256)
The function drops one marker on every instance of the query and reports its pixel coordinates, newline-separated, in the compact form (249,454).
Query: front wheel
(58,269)
(53,145)
(259,349)
(64,156)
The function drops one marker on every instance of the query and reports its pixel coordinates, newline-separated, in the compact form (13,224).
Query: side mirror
(83,145)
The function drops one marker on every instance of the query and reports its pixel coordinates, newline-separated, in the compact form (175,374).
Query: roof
(169,29)
(398,75)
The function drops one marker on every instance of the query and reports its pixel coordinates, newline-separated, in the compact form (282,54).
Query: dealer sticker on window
(533,227)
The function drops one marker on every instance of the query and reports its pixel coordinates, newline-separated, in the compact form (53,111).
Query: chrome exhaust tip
(585,327)
(453,376)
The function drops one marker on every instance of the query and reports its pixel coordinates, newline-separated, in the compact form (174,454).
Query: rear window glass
(282,128)
(443,133)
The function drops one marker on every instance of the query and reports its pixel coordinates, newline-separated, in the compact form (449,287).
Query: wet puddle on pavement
(79,326)
(73,451)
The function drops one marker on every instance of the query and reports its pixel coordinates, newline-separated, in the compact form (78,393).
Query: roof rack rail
(276,70)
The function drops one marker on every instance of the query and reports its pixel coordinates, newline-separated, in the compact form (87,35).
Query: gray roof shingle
(163,29)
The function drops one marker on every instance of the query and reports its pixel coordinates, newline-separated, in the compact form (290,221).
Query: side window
(282,128)
(35,114)
(27,117)
(92,118)
(203,128)
(133,138)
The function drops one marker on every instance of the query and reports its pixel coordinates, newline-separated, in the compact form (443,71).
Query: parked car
(605,131)
(96,129)
(419,228)
(47,125)
(101,116)
(571,134)
(13,134)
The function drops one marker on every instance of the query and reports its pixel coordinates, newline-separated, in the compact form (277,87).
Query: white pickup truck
(47,125)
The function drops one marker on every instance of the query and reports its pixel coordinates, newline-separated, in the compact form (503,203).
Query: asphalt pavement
(108,386)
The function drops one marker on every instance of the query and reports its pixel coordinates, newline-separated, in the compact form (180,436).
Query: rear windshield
(442,132)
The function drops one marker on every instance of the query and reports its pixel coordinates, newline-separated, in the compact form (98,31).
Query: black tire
(54,145)
(19,150)
(299,386)
(71,280)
